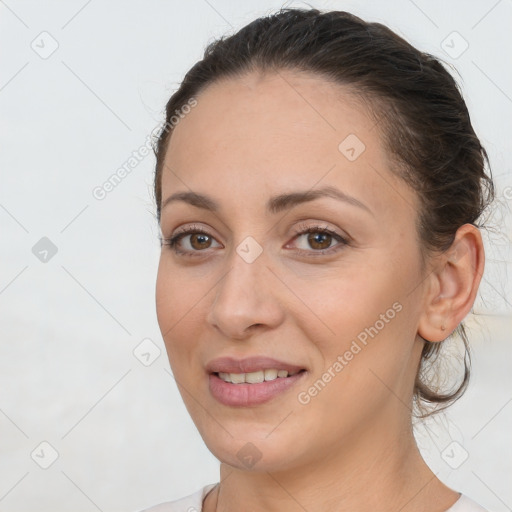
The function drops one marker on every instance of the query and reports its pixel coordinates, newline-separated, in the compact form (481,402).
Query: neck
(371,471)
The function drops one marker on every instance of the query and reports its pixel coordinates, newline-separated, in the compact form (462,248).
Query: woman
(318,187)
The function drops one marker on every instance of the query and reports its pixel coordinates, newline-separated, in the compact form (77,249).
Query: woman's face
(274,157)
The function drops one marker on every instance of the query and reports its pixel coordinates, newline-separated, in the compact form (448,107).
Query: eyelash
(302,229)
(174,240)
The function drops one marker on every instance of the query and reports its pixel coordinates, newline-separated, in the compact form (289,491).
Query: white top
(194,503)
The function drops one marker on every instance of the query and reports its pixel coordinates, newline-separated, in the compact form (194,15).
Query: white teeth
(237,378)
(254,377)
(271,374)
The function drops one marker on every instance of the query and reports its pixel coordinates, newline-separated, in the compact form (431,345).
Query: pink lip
(249,364)
(246,395)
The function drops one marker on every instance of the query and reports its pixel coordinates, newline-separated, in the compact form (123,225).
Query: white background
(68,375)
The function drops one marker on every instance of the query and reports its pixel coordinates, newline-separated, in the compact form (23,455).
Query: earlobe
(453,286)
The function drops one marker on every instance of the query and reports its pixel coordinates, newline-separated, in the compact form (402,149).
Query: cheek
(367,352)
(165,297)
(342,303)
(182,301)
(175,300)
(363,314)
(177,293)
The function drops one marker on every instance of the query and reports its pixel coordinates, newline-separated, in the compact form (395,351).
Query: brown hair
(426,124)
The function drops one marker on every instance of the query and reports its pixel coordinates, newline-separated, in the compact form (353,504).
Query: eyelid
(302,229)
(190,229)
(181,232)
(319,226)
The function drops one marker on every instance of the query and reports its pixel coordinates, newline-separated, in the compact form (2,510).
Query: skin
(352,446)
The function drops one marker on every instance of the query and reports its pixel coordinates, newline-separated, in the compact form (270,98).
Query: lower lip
(246,395)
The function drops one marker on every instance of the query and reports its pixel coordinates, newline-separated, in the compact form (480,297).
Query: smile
(251,389)
(255,377)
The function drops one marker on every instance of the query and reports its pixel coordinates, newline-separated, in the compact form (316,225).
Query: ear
(452,285)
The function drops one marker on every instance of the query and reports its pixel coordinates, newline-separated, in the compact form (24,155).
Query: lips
(239,394)
(252,395)
(250,364)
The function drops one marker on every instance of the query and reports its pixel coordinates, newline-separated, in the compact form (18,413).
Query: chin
(251,451)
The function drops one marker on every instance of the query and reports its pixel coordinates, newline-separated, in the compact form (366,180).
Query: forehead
(257,135)
(273,108)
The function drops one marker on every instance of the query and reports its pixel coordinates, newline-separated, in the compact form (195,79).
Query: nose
(245,299)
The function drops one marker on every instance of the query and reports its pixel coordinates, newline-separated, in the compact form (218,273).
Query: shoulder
(190,503)
(466,504)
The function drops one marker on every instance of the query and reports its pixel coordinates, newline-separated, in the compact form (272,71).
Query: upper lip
(249,364)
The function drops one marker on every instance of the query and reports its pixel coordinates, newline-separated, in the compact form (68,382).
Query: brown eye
(319,240)
(200,241)
(193,241)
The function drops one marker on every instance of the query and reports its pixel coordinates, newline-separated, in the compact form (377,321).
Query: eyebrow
(275,204)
